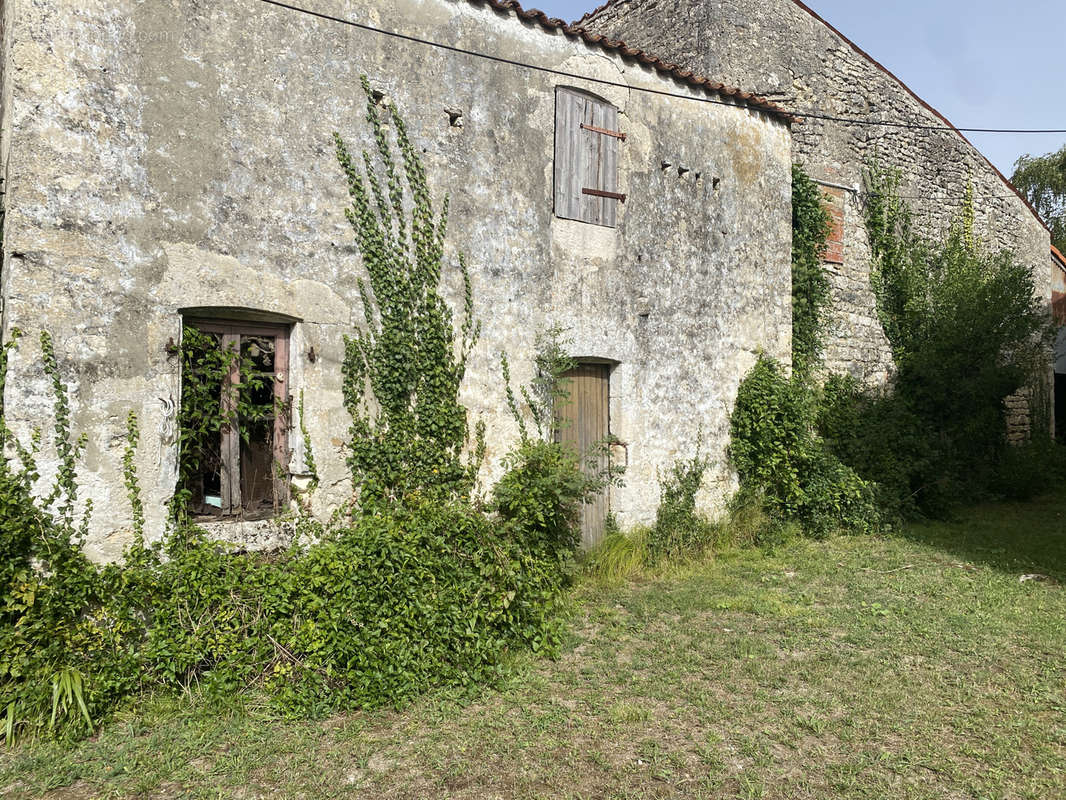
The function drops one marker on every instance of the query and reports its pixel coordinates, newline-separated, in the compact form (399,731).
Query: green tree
(1042,179)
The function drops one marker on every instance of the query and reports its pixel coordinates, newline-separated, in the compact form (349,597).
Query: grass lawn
(912,666)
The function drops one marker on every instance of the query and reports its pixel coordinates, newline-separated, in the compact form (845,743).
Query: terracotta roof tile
(554,25)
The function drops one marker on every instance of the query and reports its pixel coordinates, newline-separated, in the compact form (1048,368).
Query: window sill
(262,535)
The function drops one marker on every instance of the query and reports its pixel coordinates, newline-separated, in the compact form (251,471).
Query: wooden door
(584,424)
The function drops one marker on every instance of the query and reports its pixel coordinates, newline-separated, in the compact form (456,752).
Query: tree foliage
(1042,179)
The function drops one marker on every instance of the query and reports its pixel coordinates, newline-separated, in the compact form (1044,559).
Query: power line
(661,92)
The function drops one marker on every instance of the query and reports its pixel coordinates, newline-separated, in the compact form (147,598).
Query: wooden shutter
(834,203)
(584,424)
(586,157)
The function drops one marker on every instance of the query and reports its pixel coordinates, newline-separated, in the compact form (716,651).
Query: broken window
(234,416)
(587,142)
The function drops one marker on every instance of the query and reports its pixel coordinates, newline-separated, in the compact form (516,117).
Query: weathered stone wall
(178,153)
(780,49)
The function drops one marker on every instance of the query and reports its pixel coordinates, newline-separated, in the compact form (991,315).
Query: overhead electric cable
(618,84)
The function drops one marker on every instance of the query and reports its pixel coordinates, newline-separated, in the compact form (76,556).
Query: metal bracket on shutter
(601,193)
(604,131)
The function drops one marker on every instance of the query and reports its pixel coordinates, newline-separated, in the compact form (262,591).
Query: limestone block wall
(781,49)
(171,153)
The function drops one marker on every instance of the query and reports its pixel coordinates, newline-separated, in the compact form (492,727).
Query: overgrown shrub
(1030,469)
(401,598)
(787,474)
(411,597)
(875,433)
(776,452)
(541,493)
(966,331)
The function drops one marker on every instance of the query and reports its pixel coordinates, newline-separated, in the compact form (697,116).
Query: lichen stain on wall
(745,151)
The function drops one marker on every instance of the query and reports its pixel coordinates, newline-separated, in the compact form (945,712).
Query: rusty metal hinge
(601,193)
(604,131)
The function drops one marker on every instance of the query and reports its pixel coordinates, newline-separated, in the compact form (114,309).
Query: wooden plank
(282,421)
(610,165)
(591,147)
(231,437)
(568,158)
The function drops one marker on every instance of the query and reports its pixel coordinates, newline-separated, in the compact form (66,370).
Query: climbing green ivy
(130,477)
(65,490)
(810,283)
(403,369)
(5,354)
(309,453)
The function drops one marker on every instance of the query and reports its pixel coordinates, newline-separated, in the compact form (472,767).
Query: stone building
(168,162)
(782,49)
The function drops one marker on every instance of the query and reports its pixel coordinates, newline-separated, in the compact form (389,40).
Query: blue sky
(980,63)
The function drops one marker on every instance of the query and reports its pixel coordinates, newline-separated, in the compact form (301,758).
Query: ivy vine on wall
(810,283)
(403,369)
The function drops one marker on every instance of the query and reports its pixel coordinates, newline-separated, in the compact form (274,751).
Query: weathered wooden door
(584,423)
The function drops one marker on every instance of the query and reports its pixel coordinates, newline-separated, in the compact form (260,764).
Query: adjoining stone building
(784,50)
(172,162)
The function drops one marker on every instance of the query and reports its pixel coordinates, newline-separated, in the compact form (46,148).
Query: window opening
(234,416)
